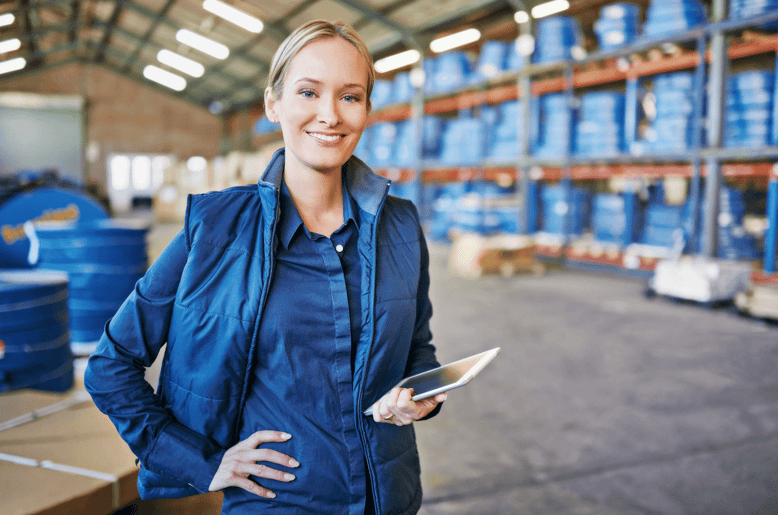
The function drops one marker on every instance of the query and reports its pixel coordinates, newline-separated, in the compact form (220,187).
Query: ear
(271,105)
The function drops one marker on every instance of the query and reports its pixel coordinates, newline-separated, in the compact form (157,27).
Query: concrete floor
(601,402)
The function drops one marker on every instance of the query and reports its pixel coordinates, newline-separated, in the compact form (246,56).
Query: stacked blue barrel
(565,209)
(382,93)
(383,137)
(672,129)
(103,260)
(663,224)
(462,143)
(749,109)
(496,57)
(405,153)
(665,17)
(363,149)
(491,61)
(617,26)
(34,337)
(487,208)
(739,9)
(507,131)
(614,217)
(556,38)
(734,242)
(600,129)
(556,126)
(402,89)
(451,70)
(444,208)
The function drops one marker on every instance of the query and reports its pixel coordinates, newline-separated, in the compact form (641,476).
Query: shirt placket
(331,252)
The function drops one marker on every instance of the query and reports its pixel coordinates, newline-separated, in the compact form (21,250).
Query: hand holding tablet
(441,379)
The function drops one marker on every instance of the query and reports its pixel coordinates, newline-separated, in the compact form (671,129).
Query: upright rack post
(719,60)
(697,117)
(771,236)
(528,191)
(417,115)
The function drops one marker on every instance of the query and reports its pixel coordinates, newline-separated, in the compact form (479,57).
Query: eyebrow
(345,86)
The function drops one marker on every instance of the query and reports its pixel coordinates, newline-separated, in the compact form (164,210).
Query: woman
(289,308)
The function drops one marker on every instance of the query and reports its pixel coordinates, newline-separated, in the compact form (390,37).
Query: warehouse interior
(597,185)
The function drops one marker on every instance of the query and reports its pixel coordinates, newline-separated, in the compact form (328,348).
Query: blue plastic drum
(40,205)
(103,259)
(34,338)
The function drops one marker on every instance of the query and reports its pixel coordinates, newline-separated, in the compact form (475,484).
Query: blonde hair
(311,31)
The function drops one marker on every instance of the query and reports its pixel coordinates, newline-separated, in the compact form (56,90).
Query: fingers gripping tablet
(447,377)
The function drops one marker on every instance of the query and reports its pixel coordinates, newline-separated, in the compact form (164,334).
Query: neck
(318,198)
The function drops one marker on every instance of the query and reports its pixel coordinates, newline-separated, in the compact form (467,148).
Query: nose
(328,112)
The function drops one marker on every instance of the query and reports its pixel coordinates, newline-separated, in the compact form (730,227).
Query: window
(141,173)
(119,169)
(135,176)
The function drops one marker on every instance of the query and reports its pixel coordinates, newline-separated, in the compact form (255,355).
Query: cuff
(185,455)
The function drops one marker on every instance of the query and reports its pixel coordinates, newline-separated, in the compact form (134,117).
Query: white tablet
(447,377)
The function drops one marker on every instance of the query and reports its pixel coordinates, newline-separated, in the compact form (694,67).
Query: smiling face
(323,106)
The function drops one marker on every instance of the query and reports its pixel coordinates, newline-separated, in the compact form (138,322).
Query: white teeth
(324,137)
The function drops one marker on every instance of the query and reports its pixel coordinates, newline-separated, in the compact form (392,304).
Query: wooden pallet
(761,301)
(473,255)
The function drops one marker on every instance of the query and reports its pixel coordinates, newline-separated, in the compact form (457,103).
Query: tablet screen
(440,377)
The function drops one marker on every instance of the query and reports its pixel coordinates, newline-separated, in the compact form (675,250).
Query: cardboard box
(68,462)
(473,255)
(36,459)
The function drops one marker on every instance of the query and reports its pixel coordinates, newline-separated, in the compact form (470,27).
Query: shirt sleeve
(115,378)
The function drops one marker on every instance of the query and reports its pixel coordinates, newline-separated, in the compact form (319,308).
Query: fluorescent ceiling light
(181,63)
(9,45)
(397,61)
(6,19)
(164,77)
(233,15)
(549,8)
(521,17)
(203,44)
(12,65)
(455,40)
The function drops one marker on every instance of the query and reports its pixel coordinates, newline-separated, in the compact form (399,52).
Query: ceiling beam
(410,37)
(32,46)
(147,36)
(42,31)
(26,6)
(75,12)
(117,11)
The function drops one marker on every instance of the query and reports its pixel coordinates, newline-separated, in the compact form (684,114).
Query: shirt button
(339,248)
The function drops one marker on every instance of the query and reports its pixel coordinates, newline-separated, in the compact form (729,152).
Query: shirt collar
(290,220)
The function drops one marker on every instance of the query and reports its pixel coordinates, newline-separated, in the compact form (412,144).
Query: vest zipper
(260,308)
(358,412)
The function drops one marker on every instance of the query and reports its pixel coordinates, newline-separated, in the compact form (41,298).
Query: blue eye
(307,93)
(351,98)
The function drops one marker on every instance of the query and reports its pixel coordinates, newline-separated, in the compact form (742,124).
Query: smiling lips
(326,138)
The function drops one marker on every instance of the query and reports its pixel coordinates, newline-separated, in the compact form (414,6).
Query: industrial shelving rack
(709,49)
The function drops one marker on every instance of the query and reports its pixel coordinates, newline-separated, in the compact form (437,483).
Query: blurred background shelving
(661,84)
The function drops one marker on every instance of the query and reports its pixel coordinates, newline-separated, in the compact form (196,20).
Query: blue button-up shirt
(307,343)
